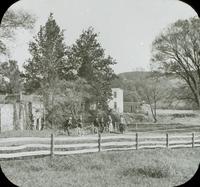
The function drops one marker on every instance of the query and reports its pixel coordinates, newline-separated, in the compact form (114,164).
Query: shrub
(158,170)
(183,115)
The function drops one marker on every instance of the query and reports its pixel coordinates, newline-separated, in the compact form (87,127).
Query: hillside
(134,75)
(172,88)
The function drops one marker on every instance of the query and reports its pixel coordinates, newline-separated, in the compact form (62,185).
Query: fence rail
(36,146)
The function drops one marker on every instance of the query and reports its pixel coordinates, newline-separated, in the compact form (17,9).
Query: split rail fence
(17,147)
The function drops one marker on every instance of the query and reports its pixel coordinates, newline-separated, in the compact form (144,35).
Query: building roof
(117,89)
(9,98)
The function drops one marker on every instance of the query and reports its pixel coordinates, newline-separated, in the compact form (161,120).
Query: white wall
(119,100)
(7,112)
(6,117)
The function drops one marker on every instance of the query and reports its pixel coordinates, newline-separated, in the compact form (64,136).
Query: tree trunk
(153,109)
(197,98)
(198,103)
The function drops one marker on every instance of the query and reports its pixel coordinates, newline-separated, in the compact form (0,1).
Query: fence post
(99,142)
(167,140)
(136,140)
(192,139)
(52,145)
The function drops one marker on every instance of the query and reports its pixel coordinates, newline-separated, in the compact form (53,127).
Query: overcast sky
(126,27)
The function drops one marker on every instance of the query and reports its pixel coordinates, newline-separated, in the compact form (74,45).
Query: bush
(159,170)
(183,115)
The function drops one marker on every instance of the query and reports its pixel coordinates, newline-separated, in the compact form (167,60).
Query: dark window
(115,94)
(37,124)
(115,105)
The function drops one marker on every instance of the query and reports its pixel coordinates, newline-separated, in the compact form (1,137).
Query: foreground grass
(156,167)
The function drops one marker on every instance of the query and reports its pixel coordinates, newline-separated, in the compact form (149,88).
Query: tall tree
(94,66)
(177,51)
(48,64)
(71,100)
(12,21)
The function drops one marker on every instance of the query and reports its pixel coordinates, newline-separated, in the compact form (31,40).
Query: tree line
(69,78)
(174,75)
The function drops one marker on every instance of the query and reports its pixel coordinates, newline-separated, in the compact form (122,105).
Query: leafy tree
(94,66)
(150,90)
(48,64)
(73,95)
(10,77)
(49,58)
(179,96)
(12,21)
(147,88)
(177,51)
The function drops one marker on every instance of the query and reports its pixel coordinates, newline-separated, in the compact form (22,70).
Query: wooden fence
(35,146)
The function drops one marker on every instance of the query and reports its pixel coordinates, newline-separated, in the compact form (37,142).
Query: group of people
(99,125)
(69,123)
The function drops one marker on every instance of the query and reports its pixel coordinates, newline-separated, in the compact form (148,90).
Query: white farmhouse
(117,101)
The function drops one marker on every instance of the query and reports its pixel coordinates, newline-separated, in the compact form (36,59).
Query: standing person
(110,124)
(122,124)
(80,125)
(96,125)
(101,125)
(68,123)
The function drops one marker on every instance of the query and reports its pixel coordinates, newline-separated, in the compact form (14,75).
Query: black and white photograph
(99,93)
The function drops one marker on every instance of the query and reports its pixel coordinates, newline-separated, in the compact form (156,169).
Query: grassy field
(185,117)
(171,121)
(140,168)
(149,167)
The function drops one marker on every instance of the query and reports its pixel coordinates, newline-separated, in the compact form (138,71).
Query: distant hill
(127,77)
(134,75)
(128,81)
